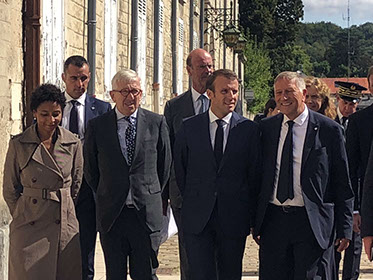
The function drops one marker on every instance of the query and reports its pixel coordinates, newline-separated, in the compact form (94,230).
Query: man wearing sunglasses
(127,165)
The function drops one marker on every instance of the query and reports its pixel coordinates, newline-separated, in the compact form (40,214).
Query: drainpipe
(134,34)
(191,23)
(201,21)
(174,45)
(31,54)
(156,77)
(91,51)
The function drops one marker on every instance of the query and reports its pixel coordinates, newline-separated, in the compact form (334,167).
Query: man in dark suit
(127,163)
(80,108)
(348,97)
(306,199)
(190,103)
(359,136)
(216,158)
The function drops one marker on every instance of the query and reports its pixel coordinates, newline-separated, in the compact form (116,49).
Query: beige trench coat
(39,190)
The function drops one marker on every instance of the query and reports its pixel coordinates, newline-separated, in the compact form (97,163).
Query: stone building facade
(38,35)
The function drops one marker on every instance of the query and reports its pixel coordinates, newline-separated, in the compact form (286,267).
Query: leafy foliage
(257,74)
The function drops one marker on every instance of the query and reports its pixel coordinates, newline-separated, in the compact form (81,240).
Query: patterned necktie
(73,124)
(219,139)
(203,100)
(285,188)
(130,137)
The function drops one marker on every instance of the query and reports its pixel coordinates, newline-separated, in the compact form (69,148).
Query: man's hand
(368,242)
(342,244)
(357,222)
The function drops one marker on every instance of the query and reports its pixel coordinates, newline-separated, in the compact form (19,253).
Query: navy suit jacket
(94,107)
(175,111)
(325,182)
(233,185)
(109,176)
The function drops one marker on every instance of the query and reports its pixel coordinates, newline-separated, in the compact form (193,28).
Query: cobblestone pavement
(169,262)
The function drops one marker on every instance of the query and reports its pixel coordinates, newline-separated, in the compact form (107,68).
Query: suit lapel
(206,137)
(140,129)
(309,141)
(90,109)
(112,133)
(188,108)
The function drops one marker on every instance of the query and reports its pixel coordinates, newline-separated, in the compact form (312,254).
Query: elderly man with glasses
(127,164)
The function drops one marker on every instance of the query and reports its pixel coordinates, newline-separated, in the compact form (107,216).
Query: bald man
(192,102)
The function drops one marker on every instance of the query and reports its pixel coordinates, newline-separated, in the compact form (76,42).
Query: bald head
(199,67)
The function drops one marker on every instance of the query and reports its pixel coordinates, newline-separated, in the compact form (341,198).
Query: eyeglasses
(125,92)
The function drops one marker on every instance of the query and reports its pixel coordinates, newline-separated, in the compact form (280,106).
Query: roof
(330,83)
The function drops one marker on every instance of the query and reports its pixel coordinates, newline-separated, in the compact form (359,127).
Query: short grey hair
(292,77)
(124,75)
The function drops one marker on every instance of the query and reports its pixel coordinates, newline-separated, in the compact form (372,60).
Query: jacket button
(58,222)
(34,180)
(32,223)
(34,201)
(215,193)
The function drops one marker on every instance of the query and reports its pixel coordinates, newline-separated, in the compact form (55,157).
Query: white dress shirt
(299,136)
(81,113)
(213,126)
(196,102)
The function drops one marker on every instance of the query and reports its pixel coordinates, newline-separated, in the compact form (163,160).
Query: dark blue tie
(73,124)
(285,188)
(219,138)
(130,138)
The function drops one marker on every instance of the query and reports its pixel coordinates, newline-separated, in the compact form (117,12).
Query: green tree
(257,75)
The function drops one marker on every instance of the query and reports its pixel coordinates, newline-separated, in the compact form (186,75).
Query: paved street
(169,264)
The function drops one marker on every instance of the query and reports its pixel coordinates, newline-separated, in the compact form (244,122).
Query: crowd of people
(299,179)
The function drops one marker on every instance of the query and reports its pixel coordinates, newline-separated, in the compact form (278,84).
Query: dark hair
(189,60)
(47,93)
(229,74)
(271,104)
(76,60)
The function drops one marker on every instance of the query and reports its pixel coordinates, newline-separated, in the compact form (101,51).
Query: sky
(335,11)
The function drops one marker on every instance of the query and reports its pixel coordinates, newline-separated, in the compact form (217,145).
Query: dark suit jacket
(109,176)
(232,185)
(327,192)
(358,140)
(175,111)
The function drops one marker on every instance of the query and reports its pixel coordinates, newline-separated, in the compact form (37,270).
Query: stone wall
(11,77)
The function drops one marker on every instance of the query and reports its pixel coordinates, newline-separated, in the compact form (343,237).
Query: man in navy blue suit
(216,158)
(306,200)
(80,108)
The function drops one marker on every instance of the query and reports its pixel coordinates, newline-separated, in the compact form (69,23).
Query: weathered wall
(11,76)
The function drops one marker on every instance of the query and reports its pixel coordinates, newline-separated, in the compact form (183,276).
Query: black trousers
(214,255)
(129,239)
(86,215)
(351,259)
(289,250)
(184,266)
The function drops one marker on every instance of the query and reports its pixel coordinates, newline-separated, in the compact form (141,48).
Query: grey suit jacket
(176,110)
(109,176)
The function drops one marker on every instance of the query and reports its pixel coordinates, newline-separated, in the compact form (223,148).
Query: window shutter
(141,63)
(53,41)
(180,56)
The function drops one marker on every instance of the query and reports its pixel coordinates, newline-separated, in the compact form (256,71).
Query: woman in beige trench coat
(42,176)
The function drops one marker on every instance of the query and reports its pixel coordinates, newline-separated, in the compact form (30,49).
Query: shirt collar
(301,119)
(81,99)
(213,117)
(121,116)
(196,95)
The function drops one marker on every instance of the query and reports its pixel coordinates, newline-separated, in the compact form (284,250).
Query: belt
(60,195)
(286,208)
